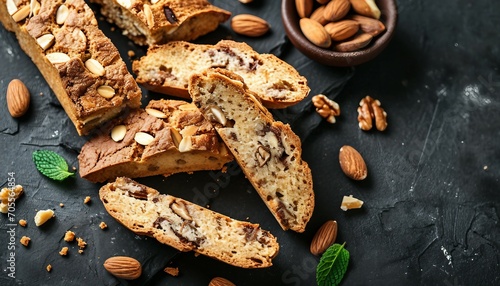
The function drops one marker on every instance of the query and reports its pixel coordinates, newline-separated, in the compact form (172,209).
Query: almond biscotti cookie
(80,64)
(161,21)
(167,69)
(168,136)
(268,151)
(187,226)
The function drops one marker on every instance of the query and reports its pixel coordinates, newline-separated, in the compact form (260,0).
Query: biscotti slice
(167,69)
(161,21)
(78,61)
(268,151)
(187,226)
(168,136)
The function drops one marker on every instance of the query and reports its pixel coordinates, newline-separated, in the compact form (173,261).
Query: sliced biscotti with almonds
(167,69)
(268,151)
(187,226)
(81,65)
(161,21)
(168,136)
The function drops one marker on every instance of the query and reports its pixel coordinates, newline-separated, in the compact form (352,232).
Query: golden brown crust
(183,142)
(75,40)
(268,151)
(167,68)
(146,23)
(186,226)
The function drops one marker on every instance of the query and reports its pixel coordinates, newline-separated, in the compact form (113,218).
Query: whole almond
(249,25)
(317,15)
(315,33)
(219,281)
(369,25)
(342,30)
(352,163)
(336,10)
(324,237)
(18,98)
(123,267)
(366,8)
(358,42)
(304,8)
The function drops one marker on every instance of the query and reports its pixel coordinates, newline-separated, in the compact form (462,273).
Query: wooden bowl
(333,58)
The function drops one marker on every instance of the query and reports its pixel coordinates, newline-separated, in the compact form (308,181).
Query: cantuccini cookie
(187,226)
(168,136)
(160,21)
(268,151)
(81,65)
(167,69)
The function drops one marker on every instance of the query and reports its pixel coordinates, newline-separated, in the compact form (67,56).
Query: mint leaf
(332,265)
(51,165)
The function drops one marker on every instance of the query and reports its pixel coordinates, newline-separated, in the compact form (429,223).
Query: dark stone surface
(432,196)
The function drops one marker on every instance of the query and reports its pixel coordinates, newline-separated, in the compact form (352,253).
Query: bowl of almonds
(339,32)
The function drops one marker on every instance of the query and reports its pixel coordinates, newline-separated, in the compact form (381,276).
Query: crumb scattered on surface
(23,222)
(61,205)
(49,268)
(81,243)
(103,225)
(196,254)
(64,251)
(86,200)
(174,271)
(43,216)
(69,236)
(6,194)
(131,53)
(25,240)
(80,251)
(485,167)
(112,29)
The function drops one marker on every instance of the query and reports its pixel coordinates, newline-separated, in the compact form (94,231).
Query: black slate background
(432,197)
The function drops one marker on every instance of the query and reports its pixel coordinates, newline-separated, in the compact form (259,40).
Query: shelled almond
(351,24)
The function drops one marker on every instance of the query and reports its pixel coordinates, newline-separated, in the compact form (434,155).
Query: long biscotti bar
(187,226)
(161,21)
(268,151)
(167,69)
(78,61)
(168,136)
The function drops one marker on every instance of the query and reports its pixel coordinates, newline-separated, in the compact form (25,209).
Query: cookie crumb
(81,243)
(131,53)
(86,200)
(112,29)
(49,268)
(80,251)
(103,225)
(61,205)
(485,167)
(69,236)
(64,251)
(23,222)
(25,240)
(174,271)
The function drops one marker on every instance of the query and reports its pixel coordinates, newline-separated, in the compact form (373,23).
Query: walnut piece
(64,251)
(326,107)
(7,193)
(25,240)
(370,109)
(69,236)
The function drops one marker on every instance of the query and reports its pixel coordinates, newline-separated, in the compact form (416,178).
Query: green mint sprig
(51,164)
(332,265)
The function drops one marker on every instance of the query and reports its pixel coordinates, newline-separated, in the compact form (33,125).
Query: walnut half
(326,107)
(370,109)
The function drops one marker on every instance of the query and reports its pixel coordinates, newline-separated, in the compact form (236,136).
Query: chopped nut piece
(326,107)
(21,14)
(174,271)
(103,225)
(131,53)
(11,7)
(86,200)
(149,15)
(81,243)
(23,222)
(64,251)
(43,216)
(25,240)
(61,205)
(143,138)
(34,8)
(45,41)
(106,91)
(49,268)
(62,14)
(369,109)
(80,251)
(350,202)
(15,193)
(69,236)
(156,113)
(57,58)
(95,67)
